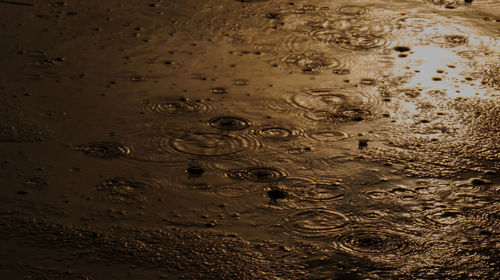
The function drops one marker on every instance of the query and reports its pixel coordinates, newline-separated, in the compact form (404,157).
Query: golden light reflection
(437,68)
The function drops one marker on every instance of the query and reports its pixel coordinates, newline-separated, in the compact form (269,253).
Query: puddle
(250,139)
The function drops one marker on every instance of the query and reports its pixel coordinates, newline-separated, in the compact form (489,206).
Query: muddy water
(260,139)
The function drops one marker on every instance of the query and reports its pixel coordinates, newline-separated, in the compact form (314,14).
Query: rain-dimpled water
(250,139)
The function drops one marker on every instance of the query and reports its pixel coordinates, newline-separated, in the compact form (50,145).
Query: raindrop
(53,115)
(372,242)
(325,102)
(251,1)
(105,150)
(276,133)
(172,106)
(276,194)
(311,62)
(273,15)
(370,216)
(480,181)
(328,135)
(195,171)
(376,194)
(240,82)
(225,164)
(258,174)
(219,90)
(207,144)
(351,10)
(35,182)
(316,223)
(352,33)
(367,82)
(317,191)
(445,217)
(229,123)
(122,190)
(341,71)
(450,41)
(402,49)
(233,190)
(357,41)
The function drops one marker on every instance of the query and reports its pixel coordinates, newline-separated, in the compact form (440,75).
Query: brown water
(227,139)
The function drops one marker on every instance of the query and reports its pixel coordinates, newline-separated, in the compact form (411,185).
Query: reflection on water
(249,139)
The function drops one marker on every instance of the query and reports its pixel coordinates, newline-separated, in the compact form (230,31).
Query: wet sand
(259,139)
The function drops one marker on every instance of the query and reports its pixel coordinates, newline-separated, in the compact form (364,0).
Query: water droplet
(372,242)
(229,123)
(219,90)
(233,190)
(240,82)
(195,171)
(122,190)
(329,135)
(105,150)
(276,194)
(276,133)
(257,174)
(316,223)
(351,10)
(207,144)
(175,106)
(402,49)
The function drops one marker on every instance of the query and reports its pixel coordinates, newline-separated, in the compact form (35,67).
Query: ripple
(299,107)
(351,10)
(350,113)
(445,217)
(352,33)
(258,174)
(346,104)
(154,149)
(53,115)
(370,216)
(341,71)
(229,123)
(122,190)
(360,41)
(376,194)
(219,90)
(159,143)
(328,135)
(233,190)
(310,63)
(316,223)
(35,182)
(175,106)
(325,101)
(206,144)
(450,41)
(276,133)
(232,163)
(251,1)
(321,91)
(413,24)
(450,4)
(304,9)
(240,82)
(303,193)
(372,242)
(317,191)
(472,200)
(105,150)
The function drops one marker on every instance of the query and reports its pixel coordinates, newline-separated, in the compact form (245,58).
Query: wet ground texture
(250,139)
